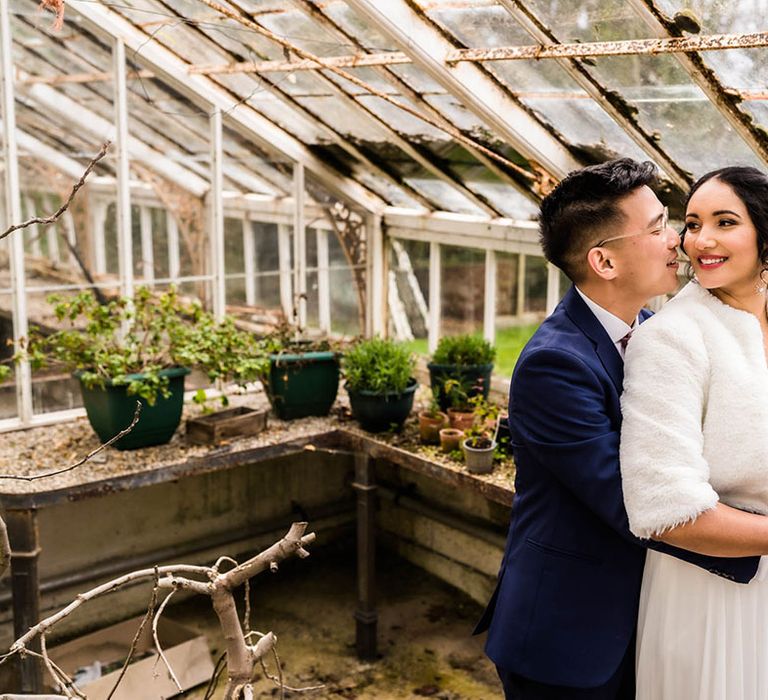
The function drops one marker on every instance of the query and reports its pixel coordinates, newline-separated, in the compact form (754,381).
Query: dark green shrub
(379,366)
(464,350)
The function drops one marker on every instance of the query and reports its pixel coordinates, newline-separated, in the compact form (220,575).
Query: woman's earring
(762,286)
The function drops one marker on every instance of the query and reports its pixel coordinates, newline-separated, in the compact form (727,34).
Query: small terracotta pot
(461,420)
(450,439)
(430,426)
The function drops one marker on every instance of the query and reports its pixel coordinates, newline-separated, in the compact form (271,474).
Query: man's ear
(602,263)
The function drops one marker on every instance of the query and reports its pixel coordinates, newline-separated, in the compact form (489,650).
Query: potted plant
(484,413)
(467,359)
(504,437)
(141,349)
(380,383)
(431,422)
(302,378)
(460,412)
(479,446)
(450,439)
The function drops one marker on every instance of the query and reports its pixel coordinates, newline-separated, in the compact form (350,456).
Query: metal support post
(286,282)
(147,251)
(366,615)
(25,586)
(553,287)
(489,308)
(521,292)
(377,282)
(99,208)
(174,263)
(249,260)
(124,229)
(323,280)
(13,215)
(216,203)
(299,246)
(434,296)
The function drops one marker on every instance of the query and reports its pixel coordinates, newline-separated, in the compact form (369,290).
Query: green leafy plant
(457,392)
(379,366)
(127,342)
(484,410)
(463,350)
(478,436)
(433,411)
(287,339)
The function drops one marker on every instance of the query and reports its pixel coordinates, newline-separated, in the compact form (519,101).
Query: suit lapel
(586,321)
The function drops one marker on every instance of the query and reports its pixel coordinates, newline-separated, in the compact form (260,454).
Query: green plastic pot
(111,410)
(469,376)
(303,385)
(379,412)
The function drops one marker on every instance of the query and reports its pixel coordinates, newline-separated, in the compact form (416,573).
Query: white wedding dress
(695,431)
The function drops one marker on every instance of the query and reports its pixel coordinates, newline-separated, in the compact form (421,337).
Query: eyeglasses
(662,228)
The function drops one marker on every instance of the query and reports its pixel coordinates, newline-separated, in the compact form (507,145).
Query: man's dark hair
(751,187)
(584,208)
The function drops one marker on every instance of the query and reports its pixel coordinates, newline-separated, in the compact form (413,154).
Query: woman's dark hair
(751,186)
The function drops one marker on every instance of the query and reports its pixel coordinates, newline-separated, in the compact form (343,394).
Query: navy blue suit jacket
(565,606)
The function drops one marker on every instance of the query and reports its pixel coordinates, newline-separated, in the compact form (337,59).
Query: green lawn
(509,344)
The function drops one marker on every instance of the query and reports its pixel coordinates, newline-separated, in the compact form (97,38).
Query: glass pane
(669,103)
(462,290)
(535,285)
(513,327)
(313,313)
(537,83)
(266,283)
(409,273)
(234,261)
(52,388)
(7,387)
(346,316)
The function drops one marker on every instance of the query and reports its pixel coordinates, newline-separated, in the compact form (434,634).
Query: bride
(694,449)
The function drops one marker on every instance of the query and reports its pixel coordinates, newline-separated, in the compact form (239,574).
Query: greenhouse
(244,190)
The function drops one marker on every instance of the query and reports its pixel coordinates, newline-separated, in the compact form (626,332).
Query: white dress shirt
(614,326)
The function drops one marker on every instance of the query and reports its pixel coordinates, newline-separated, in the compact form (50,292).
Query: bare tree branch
(50,219)
(5,548)
(79,463)
(147,618)
(160,652)
(242,657)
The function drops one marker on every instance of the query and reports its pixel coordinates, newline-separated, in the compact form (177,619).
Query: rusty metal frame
(316,13)
(246,120)
(725,101)
(428,44)
(611,102)
(335,136)
(669,44)
(426,161)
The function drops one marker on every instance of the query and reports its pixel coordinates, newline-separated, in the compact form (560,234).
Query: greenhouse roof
(467,106)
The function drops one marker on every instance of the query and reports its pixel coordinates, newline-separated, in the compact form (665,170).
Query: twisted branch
(50,219)
(243,658)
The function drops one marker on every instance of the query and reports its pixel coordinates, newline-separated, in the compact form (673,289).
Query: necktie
(625,341)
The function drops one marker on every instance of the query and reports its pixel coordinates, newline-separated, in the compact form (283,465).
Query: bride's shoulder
(688,307)
(680,320)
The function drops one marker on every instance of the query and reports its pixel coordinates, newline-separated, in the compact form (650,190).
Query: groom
(561,623)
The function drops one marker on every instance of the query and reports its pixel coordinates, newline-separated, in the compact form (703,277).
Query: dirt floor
(425,643)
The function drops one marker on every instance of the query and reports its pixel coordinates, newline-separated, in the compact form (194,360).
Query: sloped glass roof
(690,115)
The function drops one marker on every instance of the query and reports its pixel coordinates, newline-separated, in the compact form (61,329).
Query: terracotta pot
(461,420)
(450,439)
(430,426)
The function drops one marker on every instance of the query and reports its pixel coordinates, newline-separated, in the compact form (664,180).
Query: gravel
(39,450)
